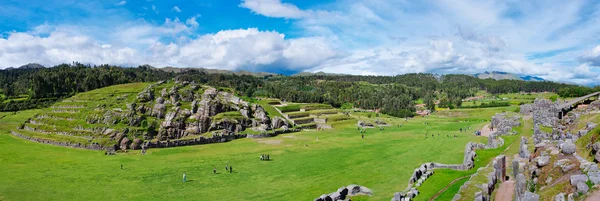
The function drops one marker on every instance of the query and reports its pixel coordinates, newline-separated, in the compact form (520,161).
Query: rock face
(278,122)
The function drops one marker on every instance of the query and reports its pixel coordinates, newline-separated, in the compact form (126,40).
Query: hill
(531,78)
(162,114)
(171,69)
(497,75)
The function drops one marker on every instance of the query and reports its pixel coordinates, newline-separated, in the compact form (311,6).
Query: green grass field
(512,98)
(302,167)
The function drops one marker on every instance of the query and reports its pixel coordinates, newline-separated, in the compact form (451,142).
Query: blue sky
(553,39)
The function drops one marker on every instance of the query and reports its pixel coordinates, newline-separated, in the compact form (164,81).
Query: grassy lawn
(302,168)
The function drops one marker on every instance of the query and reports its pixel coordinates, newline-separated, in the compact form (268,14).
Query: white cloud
(192,22)
(176,9)
(154,9)
(273,8)
(553,40)
(593,56)
(122,3)
(238,49)
(469,36)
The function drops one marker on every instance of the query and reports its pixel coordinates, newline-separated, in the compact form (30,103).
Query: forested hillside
(394,95)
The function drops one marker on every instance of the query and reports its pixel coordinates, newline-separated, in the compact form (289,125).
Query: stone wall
(344,193)
(93,146)
(273,134)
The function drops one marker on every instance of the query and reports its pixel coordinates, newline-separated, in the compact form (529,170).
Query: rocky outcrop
(174,125)
(159,108)
(278,122)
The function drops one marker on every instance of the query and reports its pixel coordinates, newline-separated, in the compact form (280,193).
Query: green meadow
(302,167)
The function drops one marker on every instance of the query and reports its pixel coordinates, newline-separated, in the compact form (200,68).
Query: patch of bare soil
(485,131)
(594,196)
(505,191)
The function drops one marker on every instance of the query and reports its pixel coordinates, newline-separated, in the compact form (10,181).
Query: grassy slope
(512,98)
(383,161)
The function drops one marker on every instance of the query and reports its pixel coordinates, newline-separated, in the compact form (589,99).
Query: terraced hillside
(310,116)
(147,115)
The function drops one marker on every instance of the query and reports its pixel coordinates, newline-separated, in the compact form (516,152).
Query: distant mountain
(211,71)
(317,73)
(531,78)
(497,75)
(27,66)
(31,66)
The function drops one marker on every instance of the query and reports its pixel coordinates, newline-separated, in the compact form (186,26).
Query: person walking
(230,169)
(363,136)
(215,170)
(184,178)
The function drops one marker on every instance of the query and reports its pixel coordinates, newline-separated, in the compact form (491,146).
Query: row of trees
(392,95)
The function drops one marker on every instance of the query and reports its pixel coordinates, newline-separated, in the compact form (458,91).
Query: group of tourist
(228,168)
(433,135)
(265,157)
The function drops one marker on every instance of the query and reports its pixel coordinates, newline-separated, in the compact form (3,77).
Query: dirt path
(485,131)
(446,188)
(593,196)
(505,191)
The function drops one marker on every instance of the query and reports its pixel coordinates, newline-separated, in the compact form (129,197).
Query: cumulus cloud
(592,57)
(176,9)
(583,72)
(273,8)
(229,49)
(550,40)
(122,3)
(59,47)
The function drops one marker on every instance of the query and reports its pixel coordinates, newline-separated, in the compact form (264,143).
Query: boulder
(568,168)
(529,196)
(136,144)
(159,110)
(571,197)
(124,143)
(559,197)
(578,178)
(568,148)
(582,188)
(543,161)
(594,174)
